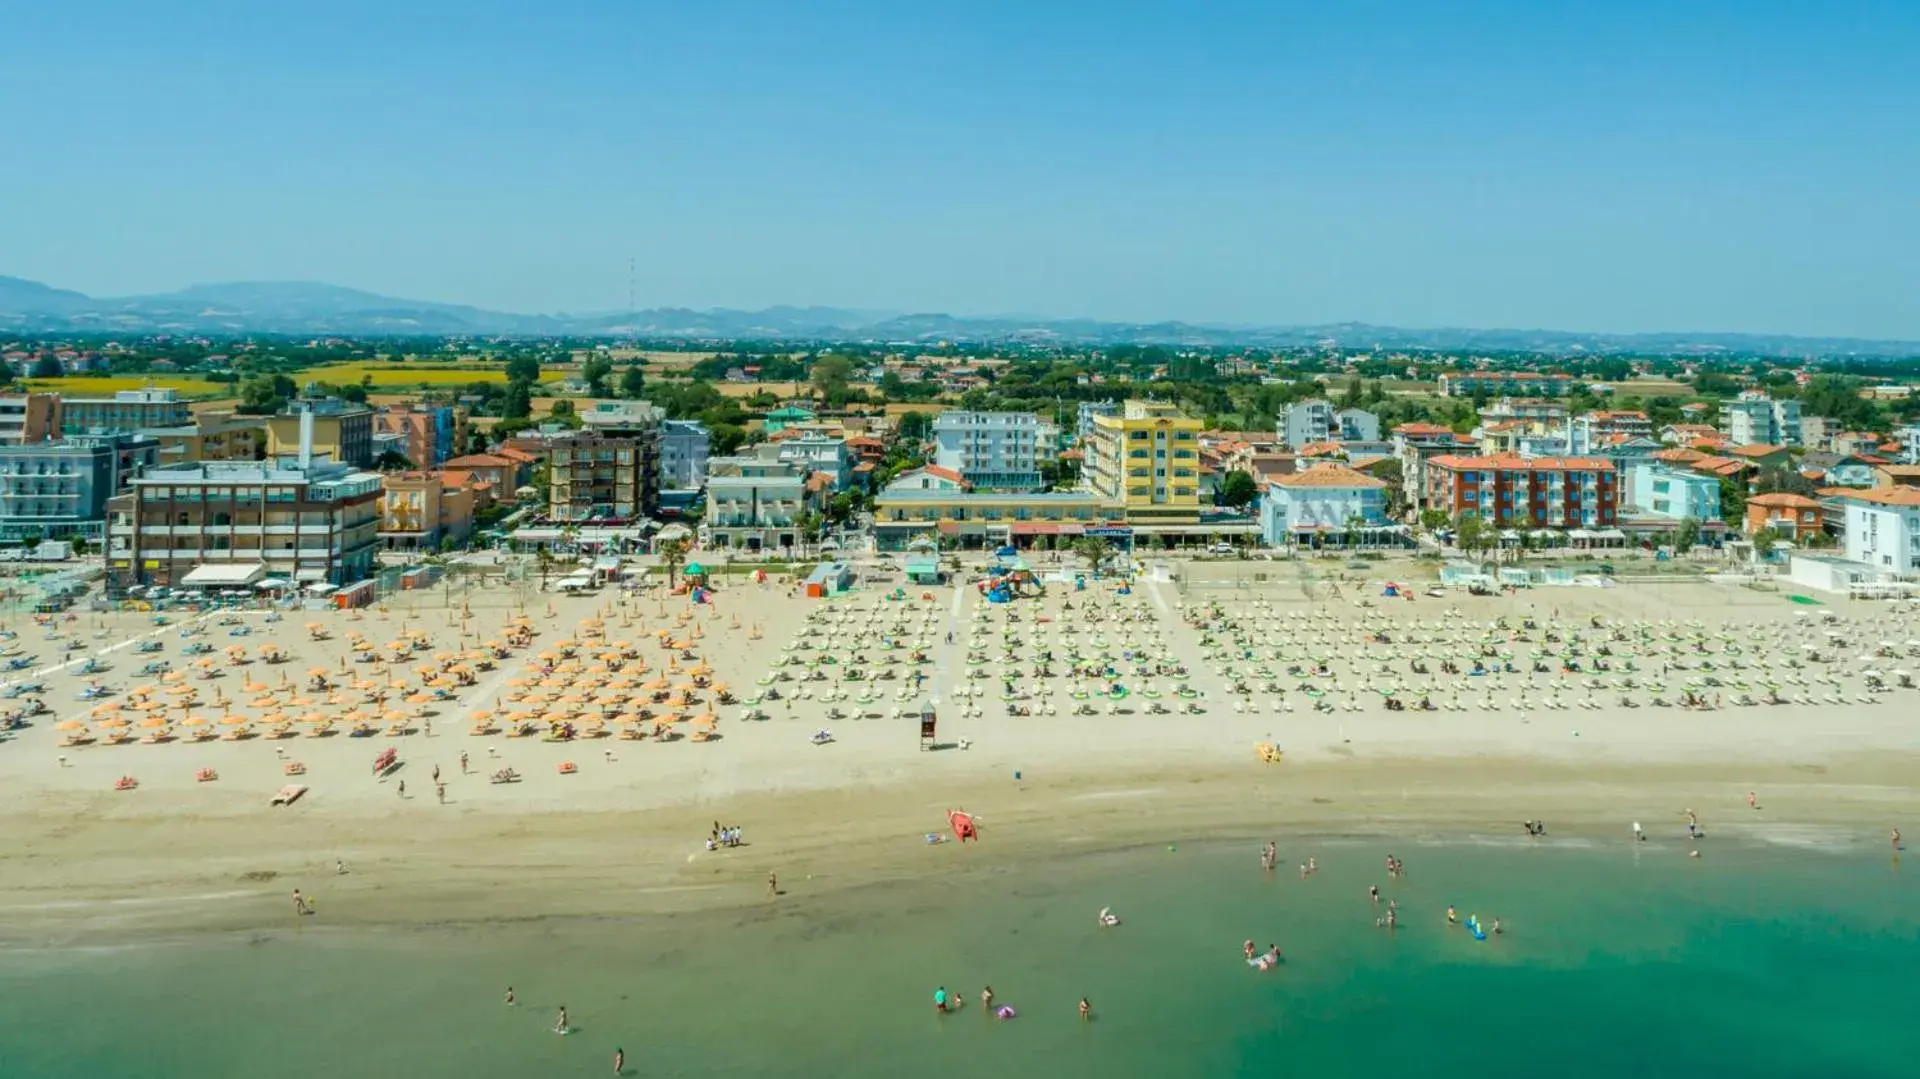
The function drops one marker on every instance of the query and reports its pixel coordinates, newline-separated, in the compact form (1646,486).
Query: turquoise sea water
(1749,962)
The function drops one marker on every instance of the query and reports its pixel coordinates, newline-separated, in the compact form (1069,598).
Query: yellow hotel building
(1146,462)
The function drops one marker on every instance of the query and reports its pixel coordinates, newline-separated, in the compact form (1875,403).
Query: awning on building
(225,575)
(311,573)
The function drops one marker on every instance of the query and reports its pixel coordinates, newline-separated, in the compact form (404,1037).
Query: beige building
(341,430)
(234,523)
(212,436)
(26,418)
(421,510)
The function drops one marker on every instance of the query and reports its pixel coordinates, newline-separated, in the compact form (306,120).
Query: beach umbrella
(232,721)
(195,721)
(99,711)
(153,722)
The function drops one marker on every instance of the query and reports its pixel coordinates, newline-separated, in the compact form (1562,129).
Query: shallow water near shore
(1750,961)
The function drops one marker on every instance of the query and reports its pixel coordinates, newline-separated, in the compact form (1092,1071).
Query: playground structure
(1011,578)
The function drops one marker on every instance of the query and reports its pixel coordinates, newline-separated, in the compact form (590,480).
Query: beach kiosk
(928,721)
(924,569)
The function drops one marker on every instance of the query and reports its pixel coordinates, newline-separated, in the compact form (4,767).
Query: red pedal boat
(963,829)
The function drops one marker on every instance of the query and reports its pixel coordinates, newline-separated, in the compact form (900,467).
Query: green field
(379,376)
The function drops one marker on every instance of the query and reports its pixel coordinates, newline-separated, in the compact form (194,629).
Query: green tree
(46,365)
(1237,489)
(393,461)
(1094,550)
(673,555)
(595,371)
(517,402)
(1686,535)
(914,427)
(1733,498)
(1471,534)
(830,376)
(633,382)
(523,368)
(1433,520)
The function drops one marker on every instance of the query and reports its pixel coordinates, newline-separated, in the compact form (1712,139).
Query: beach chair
(293,768)
(1269,754)
(288,795)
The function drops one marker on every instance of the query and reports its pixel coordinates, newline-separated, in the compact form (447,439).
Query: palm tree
(1094,549)
(673,555)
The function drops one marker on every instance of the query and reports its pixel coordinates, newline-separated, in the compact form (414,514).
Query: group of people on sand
(729,836)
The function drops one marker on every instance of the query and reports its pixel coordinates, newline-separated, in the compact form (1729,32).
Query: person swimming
(1004,1011)
(1107,917)
(1453,916)
(1248,948)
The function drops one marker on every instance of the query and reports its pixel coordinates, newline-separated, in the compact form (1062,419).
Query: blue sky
(1605,166)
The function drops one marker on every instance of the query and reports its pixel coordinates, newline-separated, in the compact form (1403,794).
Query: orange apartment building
(1508,490)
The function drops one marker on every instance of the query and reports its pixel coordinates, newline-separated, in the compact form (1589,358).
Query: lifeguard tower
(928,722)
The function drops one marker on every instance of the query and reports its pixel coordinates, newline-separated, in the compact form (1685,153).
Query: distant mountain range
(307,308)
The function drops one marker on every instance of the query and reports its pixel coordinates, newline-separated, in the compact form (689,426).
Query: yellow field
(104,385)
(411,374)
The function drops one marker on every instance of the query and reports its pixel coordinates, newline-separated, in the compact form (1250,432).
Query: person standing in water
(1086,1009)
(509,996)
(619,1062)
(560,1024)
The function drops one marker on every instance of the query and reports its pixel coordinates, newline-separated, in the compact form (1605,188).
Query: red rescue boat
(963,829)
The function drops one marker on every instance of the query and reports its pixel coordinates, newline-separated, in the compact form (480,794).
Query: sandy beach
(625,831)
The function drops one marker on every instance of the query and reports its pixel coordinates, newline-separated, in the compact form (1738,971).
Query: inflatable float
(963,828)
(1473,926)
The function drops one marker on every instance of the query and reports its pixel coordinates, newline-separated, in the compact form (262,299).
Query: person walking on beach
(403,788)
(773,884)
(440,792)
(463,762)
(300,904)
(436,773)
(1753,800)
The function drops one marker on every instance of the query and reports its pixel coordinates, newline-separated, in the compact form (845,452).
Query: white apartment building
(684,448)
(1307,422)
(990,450)
(1754,418)
(1883,528)
(753,504)
(1083,424)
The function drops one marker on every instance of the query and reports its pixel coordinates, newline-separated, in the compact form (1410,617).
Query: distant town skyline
(1618,168)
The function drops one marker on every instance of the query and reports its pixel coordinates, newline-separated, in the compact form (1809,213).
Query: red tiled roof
(1884,496)
(1327,476)
(1513,462)
(1720,466)
(1422,429)
(1755,449)
(944,473)
(1784,500)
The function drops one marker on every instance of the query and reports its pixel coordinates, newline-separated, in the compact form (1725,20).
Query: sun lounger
(288,795)
(293,768)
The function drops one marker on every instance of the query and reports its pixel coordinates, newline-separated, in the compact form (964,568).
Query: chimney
(306,437)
